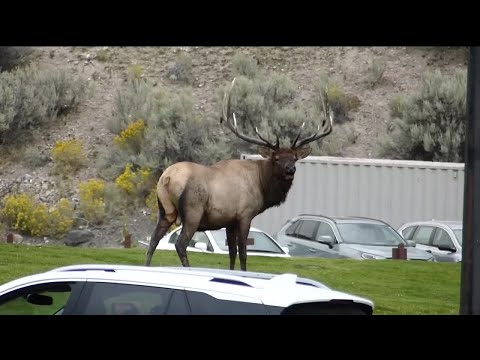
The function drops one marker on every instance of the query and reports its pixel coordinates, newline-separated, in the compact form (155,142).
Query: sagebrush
(171,131)
(272,102)
(30,98)
(429,124)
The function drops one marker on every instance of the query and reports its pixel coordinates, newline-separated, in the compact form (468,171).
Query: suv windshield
(369,234)
(261,242)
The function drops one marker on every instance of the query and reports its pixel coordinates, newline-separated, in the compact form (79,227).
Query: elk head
(283,159)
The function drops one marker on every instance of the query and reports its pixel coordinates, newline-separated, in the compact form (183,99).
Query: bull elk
(229,193)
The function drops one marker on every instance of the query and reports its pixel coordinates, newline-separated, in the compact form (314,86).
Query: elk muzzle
(289,172)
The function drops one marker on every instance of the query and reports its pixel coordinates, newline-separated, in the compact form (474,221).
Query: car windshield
(459,235)
(257,241)
(369,234)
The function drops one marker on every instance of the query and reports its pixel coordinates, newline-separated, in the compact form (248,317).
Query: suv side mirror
(326,239)
(411,243)
(39,299)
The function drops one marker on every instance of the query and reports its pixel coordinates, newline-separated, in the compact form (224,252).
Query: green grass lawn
(397,287)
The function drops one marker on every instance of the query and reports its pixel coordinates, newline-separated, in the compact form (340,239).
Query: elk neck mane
(275,189)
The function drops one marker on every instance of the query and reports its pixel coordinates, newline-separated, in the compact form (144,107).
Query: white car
(106,289)
(215,241)
(441,238)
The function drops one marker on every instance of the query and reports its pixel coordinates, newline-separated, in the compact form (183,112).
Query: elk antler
(318,135)
(226,117)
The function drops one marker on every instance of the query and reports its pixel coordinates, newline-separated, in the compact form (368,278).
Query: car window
(291,228)
(205,304)
(306,229)
(325,230)
(178,304)
(199,236)
(422,235)
(44,299)
(257,241)
(124,299)
(174,237)
(442,238)
(408,232)
(369,234)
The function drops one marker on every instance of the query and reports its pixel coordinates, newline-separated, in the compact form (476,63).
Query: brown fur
(229,193)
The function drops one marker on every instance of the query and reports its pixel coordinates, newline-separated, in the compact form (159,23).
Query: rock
(77,237)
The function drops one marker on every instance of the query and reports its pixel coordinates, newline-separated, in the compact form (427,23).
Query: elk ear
(303,152)
(265,152)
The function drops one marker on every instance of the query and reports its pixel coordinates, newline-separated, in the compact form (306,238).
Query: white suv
(101,289)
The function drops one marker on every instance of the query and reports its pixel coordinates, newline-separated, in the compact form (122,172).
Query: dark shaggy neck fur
(274,189)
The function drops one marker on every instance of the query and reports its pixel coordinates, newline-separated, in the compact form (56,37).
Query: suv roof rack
(334,218)
(218,275)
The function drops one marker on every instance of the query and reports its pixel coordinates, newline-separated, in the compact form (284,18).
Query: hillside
(107,68)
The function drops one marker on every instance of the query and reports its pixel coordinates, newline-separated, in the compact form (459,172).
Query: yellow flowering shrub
(21,212)
(132,135)
(151,202)
(126,180)
(134,183)
(68,156)
(61,218)
(92,200)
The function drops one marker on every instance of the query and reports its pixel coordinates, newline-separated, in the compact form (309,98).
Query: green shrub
(30,98)
(34,157)
(375,72)
(182,70)
(272,103)
(14,56)
(340,102)
(244,65)
(430,123)
(172,131)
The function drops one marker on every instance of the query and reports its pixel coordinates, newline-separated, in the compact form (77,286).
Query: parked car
(442,238)
(215,241)
(103,289)
(344,237)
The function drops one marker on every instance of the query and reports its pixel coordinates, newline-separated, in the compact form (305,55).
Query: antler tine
(325,131)
(298,136)
(225,117)
(265,140)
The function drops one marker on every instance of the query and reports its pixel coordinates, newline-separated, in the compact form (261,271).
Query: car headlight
(371,256)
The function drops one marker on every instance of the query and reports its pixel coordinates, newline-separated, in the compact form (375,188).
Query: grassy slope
(396,287)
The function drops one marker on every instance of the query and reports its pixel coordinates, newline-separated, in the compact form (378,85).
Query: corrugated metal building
(394,191)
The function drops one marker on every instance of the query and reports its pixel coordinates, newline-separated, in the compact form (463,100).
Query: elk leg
(243,230)
(160,230)
(232,245)
(189,228)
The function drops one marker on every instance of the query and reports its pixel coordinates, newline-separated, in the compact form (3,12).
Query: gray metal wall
(391,190)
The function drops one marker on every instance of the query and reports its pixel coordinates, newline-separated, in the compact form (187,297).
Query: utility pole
(470,276)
